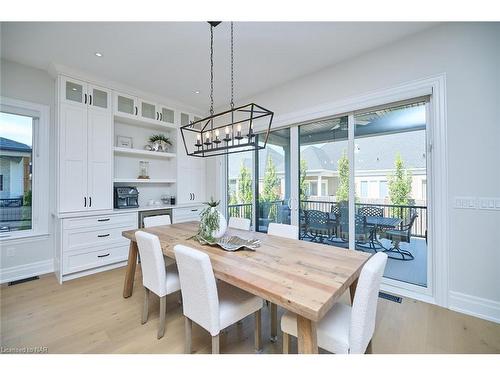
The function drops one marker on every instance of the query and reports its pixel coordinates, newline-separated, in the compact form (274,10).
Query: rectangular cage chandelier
(228,132)
(231,131)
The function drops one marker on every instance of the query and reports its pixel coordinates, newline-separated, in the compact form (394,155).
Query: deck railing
(419,228)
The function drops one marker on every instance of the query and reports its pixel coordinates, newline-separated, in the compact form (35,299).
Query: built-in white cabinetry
(191,187)
(184,214)
(92,243)
(144,112)
(85,155)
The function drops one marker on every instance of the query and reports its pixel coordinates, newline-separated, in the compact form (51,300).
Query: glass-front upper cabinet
(126,105)
(184,119)
(148,111)
(166,115)
(99,97)
(73,91)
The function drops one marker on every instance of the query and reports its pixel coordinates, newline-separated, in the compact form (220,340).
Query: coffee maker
(126,197)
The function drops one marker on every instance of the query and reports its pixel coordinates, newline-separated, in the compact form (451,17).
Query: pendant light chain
(232,67)
(211,70)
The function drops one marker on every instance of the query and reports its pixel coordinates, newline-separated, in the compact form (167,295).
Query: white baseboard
(480,307)
(26,270)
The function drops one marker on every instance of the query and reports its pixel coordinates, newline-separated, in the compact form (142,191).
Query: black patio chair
(317,225)
(403,234)
(361,233)
(372,211)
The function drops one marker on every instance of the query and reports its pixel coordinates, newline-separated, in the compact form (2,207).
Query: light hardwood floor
(89,315)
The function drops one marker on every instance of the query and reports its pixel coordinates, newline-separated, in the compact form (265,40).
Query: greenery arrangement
(209,220)
(160,138)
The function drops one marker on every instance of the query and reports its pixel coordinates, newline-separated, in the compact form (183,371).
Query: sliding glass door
(357,181)
(324,182)
(390,162)
(272,185)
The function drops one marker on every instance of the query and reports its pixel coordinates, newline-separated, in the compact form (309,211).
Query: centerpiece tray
(231,243)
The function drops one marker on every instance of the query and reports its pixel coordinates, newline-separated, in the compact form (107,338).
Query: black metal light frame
(215,135)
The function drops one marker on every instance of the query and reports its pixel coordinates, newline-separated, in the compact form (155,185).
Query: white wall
(469,54)
(33,85)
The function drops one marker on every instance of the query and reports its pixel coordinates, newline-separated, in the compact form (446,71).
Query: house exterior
(15,171)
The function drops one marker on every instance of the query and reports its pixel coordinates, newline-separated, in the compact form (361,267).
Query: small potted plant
(212,223)
(160,142)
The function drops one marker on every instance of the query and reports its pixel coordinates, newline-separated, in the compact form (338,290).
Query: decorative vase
(218,233)
(164,146)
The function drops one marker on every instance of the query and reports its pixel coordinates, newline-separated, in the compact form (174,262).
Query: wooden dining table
(303,277)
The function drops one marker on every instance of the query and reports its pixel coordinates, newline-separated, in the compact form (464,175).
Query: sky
(15,127)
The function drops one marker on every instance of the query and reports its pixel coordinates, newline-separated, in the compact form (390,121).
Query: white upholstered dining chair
(239,223)
(283,230)
(210,304)
(345,329)
(156,278)
(154,221)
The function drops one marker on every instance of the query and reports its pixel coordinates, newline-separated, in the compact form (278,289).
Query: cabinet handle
(85,102)
(136,111)
(103,256)
(157,115)
(90,99)
(90,201)
(107,219)
(103,235)
(161,116)
(195,210)
(194,196)
(84,201)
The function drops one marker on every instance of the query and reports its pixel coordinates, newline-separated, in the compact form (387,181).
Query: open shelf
(145,123)
(145,181)
(145,153)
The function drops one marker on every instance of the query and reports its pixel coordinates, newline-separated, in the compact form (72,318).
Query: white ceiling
(171,59)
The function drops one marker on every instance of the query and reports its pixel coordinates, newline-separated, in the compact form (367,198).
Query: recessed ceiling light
(197,92)
(98,54)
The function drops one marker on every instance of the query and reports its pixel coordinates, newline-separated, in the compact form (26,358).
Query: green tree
(302,182)
(245,192)
(343,187)
(270,190)
(399,183)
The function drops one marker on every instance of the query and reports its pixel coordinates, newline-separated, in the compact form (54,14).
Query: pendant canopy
(231,131)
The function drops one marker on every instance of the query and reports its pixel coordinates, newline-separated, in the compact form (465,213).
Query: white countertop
(124,210)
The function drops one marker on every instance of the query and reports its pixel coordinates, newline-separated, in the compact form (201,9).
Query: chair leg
(145,307)
(404,254)
(163,314)
(215,344)
(274,322)
(369,349)
(188,328)
(286,343)
(258,331)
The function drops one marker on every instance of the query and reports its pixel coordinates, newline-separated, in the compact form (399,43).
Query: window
(324,189)
(15,164)
(24,169)
(364,189)
(383,190)
(313,188)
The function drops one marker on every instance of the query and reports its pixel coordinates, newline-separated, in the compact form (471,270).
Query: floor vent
(23,280)
(390,297)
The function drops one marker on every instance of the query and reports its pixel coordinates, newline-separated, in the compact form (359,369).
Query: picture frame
(125,142)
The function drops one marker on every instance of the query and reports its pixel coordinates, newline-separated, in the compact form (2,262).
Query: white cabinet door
(73,91)
(100,159)
(148,111)
(126,105)
(99,97)
(191,186)
(167,115)
(73,158)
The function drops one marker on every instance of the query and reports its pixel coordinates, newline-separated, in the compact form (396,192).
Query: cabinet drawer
(187,214)
(75,262)
(77,239)
(101,221)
